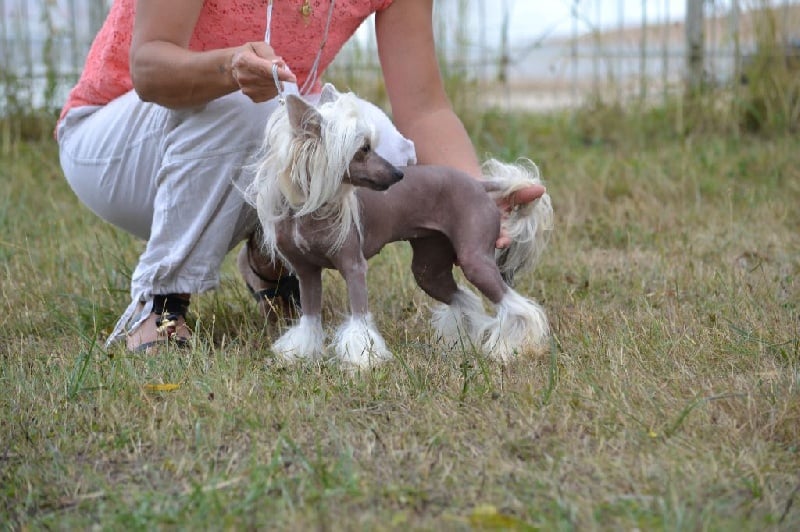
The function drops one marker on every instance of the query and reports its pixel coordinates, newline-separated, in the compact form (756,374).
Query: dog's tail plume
(528,225)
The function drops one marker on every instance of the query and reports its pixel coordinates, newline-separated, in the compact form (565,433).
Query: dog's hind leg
(306,339)
(460,320)
(358,341)
(520,324)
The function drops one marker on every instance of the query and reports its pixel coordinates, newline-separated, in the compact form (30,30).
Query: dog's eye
(366,148)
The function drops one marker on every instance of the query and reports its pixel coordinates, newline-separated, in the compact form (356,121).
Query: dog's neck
(330,206)
(335,220)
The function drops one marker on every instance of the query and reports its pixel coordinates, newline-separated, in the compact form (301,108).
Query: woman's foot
(277,295)
(164,327)
(149,336)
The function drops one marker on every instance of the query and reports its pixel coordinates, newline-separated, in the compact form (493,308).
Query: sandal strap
(170,308)
(170,304)
(168,323)
(287,287)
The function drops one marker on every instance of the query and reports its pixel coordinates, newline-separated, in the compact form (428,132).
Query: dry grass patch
(669,399)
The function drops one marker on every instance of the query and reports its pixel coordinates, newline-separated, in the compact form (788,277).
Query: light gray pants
(174,178)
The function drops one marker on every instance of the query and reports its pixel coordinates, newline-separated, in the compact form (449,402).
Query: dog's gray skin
(343,217)
(445,214)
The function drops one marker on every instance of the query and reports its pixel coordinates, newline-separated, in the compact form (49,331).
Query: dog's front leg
(358,341)
(305,340)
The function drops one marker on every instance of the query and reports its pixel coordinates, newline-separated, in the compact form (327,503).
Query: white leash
(269,22)
(278,83)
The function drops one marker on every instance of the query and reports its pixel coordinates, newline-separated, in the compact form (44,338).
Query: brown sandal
(169,315)
(276,298)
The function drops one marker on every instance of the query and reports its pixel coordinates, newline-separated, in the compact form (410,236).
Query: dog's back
(428,200)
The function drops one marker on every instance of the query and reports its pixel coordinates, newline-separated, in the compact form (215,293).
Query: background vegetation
(670,398)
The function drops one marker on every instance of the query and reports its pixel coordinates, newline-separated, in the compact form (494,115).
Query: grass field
(670,398)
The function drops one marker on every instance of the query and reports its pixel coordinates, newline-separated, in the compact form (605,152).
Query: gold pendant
(305,9)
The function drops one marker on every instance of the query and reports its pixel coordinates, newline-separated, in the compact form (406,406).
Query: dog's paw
(521,327)
(359,343)
(463,323)
(304,341)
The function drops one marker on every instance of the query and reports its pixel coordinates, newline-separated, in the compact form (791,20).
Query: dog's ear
(329,94)
(303,117)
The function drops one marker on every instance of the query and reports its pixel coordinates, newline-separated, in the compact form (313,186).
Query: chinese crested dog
(326,199)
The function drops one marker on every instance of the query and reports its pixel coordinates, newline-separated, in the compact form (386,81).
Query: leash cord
(311,79)
(278,84)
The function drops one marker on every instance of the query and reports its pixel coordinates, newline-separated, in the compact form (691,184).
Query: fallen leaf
(487,517)
(167,387)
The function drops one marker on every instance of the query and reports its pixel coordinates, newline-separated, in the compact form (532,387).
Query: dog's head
(310,160)
(332,147)
(370,170)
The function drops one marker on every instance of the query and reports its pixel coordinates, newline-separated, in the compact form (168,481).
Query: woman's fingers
(521,197)
(506,204)
(252,70)
(503,241)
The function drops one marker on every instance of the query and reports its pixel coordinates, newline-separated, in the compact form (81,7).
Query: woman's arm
(165,71)
(420,107)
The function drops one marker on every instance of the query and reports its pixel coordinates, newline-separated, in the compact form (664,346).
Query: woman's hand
(165,71)
(507,204)
(251,68)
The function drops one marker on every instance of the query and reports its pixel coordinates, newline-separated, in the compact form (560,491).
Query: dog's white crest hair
(303,161)
(529,225)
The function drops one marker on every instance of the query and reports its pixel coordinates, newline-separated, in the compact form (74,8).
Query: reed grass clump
(770,93)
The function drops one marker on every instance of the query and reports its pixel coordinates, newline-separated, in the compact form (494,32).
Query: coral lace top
(224,23)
